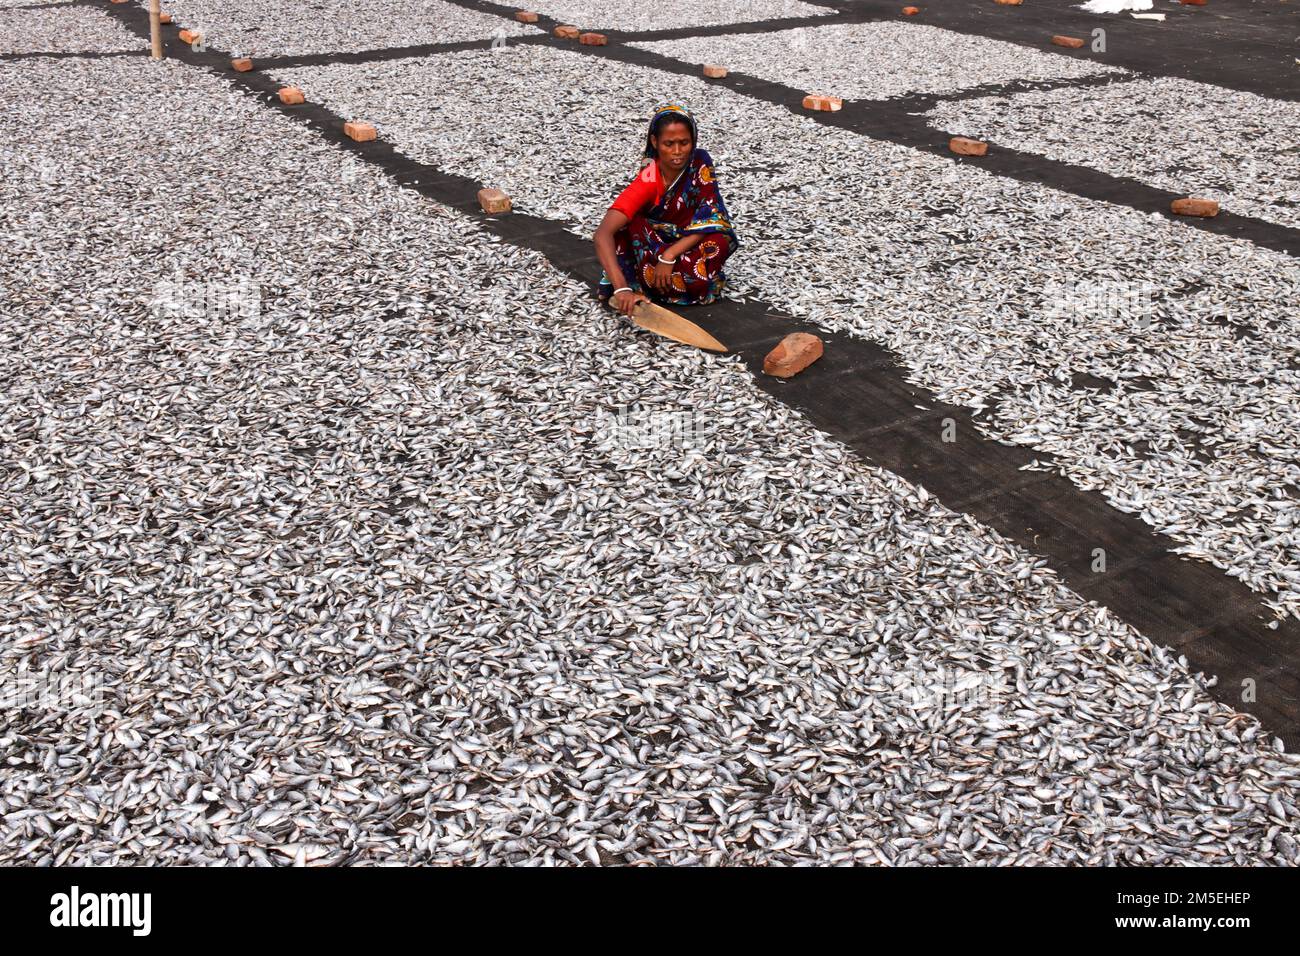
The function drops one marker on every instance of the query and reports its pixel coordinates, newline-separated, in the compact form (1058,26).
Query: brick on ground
(792,355)
(493,201)
(815,101)
(963,146)
(361,132)
(1190,206)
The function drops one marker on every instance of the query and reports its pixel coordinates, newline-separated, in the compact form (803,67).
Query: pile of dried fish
(1152,361)
(876,61)
(260,28)
(670,14)
(1231,146)
(61,29)
(376,563)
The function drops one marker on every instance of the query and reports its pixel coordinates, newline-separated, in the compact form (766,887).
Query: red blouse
(644,192)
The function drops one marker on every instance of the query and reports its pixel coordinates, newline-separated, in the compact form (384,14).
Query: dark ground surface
(858,392)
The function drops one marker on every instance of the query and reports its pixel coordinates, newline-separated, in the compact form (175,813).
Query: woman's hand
(663,276)
(625,302)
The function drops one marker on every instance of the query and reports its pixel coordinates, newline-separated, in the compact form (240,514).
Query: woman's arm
(684,244)
(614,220)
(604,242)
(664,270)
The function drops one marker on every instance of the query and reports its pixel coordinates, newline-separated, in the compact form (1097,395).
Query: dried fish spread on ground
(1000,295)
(368,575)
(670,14)
(1197,139)
(876,61)
(66,29)
(283,28)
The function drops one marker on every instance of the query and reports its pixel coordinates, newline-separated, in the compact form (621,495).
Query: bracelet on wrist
(626,288)
(667,262)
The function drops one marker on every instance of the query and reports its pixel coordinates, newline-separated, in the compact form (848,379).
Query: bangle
(626,288)
(667,262)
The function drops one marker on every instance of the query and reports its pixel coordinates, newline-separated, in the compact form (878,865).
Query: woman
(669,231)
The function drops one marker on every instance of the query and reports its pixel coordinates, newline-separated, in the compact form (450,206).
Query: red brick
(1009,3)
(716,72)
(1194,3)
(1072,42)
(493,201)
(361,132)
(967,147)
(792,355)
(593,39)
(164,18)
(566,31)
(1195,207)
(526,16)
(242,65)
(814,101)
(911,11)
(291,96)
(188,36)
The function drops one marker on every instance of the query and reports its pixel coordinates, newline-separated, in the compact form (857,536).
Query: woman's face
(673,145)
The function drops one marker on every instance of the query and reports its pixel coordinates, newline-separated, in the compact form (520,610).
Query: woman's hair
(666,118)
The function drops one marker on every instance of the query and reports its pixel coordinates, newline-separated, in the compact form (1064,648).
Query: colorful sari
(691,205)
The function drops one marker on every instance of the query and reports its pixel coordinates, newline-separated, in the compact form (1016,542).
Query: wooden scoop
(657,319)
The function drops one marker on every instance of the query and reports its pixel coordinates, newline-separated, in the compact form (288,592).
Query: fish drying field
(351,529)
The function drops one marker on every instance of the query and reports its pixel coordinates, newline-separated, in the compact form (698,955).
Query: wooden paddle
(657,319)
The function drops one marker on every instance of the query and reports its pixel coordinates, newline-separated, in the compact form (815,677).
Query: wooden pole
(155,27)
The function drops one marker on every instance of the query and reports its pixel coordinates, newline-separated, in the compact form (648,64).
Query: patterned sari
(691,205)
